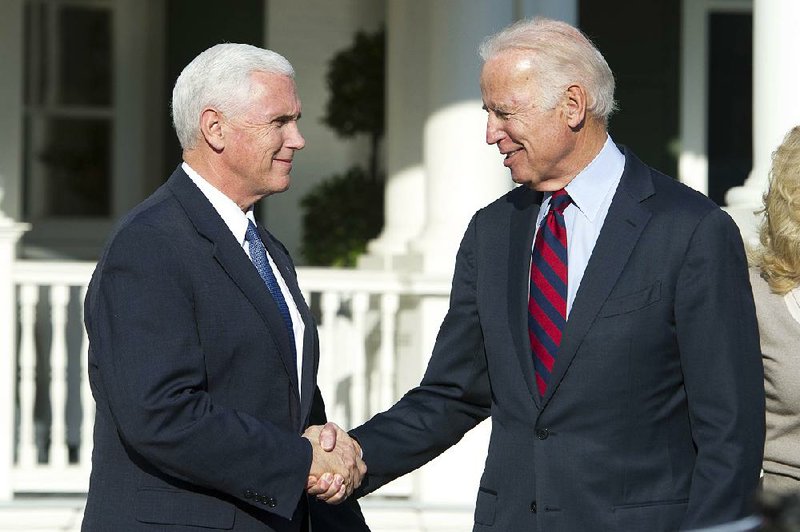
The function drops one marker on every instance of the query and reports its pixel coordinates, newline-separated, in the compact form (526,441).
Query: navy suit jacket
(653,419)
(199,408)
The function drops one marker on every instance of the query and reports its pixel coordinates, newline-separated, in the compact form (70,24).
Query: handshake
(336,465)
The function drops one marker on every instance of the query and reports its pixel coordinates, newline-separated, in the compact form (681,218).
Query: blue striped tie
(258,255)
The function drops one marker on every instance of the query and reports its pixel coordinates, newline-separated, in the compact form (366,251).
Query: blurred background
(394,166)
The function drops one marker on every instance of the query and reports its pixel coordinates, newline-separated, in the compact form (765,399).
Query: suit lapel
(624,223)
(523,225)
(230,255)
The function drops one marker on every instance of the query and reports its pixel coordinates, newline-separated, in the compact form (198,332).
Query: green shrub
(340,215)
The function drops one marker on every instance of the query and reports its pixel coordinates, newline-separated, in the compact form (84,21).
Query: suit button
(271,502)
(542,434)
(248,494)
(533,507)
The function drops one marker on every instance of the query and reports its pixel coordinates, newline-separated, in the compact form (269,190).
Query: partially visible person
(775,278)
(203,355)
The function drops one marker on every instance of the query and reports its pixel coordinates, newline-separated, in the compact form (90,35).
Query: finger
(339,497)
(324,485)
(327,437)
(334,488)
(312,480)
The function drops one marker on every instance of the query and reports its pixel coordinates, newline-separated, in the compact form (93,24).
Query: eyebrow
(287,118)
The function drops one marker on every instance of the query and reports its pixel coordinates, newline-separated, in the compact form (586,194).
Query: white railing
(357,313)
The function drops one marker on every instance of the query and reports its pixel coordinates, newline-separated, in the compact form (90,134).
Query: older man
(203,355)
(600,313)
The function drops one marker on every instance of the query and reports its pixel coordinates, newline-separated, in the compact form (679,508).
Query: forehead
(508,75)
(275,91)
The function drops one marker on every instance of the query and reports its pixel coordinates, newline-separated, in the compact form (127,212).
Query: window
(69,109)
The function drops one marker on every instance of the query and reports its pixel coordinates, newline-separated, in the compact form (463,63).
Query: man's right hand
(336,468)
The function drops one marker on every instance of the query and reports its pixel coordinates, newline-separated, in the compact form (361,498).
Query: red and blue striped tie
(547,306)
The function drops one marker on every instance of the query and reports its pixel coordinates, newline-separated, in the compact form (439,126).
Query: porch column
(776,78)
(462,172)
(406,108)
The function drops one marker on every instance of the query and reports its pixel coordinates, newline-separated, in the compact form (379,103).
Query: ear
(575,105)
(211,128)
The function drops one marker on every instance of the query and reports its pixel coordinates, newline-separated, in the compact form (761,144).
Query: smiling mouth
(509,155)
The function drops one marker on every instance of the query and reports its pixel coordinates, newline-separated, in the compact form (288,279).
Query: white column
(462,172)
(407,53)
(10,233)
(776,109)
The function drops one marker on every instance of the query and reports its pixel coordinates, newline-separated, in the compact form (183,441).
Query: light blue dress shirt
(591,191)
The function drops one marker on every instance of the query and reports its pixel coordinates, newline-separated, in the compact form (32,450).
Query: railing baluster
(87,401)
(29,297)
(390,302)
(358,359)
(329,304)
(59,298)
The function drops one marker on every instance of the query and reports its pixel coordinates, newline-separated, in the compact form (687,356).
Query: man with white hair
(600,313)
(202,352)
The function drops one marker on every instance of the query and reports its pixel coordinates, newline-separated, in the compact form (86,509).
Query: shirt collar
(229,211)
(590,187)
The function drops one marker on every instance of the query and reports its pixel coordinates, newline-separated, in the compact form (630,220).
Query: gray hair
(219,77)
(562,55)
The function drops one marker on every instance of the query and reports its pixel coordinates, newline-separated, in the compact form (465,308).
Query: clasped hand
(336,466)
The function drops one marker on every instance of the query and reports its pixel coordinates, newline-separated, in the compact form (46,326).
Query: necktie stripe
(548,318)
(554,245)
(547,306)
(551,305)
(550,263)
(544,332)
(547,280)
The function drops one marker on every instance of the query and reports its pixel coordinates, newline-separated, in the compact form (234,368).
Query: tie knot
(251,234)
(559,201)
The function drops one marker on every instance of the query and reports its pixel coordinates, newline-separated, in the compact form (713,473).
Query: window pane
(85,61)
(75,164)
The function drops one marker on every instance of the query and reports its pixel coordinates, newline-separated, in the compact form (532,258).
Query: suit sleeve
(143,332)
(720,355)
(452,398)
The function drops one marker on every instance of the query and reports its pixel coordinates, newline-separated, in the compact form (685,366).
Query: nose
(295,140)
(494,133)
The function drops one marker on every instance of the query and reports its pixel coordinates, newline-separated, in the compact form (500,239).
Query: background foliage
(344,212)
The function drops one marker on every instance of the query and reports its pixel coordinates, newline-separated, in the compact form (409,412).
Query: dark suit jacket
(654,416)
(199,410)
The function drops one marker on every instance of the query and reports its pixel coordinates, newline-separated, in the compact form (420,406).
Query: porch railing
(357,313)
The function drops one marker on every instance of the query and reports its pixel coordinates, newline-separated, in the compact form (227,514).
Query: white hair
(219,77)
(561,55)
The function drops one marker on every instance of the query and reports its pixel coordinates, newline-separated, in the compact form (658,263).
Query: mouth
(284,161)
(509,156)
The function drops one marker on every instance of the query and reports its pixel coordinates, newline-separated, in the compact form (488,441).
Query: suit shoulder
(678,198)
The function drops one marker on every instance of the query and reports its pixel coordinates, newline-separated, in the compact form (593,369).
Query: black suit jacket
(654,416)
(199,408)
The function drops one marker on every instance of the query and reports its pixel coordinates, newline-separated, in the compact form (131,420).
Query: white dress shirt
(237,221)
(591,191)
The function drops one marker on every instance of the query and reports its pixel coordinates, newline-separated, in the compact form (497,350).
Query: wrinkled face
(263,139)
(536,141)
